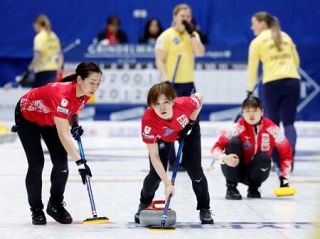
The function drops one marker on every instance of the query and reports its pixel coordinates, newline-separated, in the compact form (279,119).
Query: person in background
(179,40)
(112,34)
(168,119)
(46,113)
(47,58)
(281,81)
(152,30)
(245,150)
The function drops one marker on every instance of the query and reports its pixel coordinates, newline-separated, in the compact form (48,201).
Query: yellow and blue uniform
(48,44)
(281,84)
(175,43)
(276,64)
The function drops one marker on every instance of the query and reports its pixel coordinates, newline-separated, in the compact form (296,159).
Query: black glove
(83,169)
(186,130)
(283,182)
(188,28)
(76,131)
(249,94)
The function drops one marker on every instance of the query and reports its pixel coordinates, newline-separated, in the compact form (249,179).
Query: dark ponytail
(68,78)
(84,69)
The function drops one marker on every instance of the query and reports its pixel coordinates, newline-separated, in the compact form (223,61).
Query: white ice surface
(119,165)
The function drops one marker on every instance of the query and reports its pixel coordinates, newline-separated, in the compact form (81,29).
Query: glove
(283,182)
(186,130)
(76,131)
(83,169)
(188,28)
(249,94)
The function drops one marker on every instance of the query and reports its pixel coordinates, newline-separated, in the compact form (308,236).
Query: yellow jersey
(175,43)
(48,44)
(276,64)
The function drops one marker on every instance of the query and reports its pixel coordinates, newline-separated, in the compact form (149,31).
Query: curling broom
(164,216)
(95,219)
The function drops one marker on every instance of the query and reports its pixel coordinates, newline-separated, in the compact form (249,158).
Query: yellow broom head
(162,229)
(96,220)
(284,191)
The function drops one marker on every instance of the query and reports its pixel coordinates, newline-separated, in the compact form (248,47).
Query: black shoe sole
(233,198)
(39,223)
(207,222)
(252,197)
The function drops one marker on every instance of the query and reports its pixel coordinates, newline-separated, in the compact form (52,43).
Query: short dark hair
(252,102)
(156,90)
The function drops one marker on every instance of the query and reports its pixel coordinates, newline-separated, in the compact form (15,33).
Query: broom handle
(88,183)
(173,179)
(175,70)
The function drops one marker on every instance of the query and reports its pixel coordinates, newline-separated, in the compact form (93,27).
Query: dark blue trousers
(281,99)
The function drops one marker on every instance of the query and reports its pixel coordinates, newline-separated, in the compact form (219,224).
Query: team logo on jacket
(168,131)
(146,133)
(176,40)
(183,120)
(147,130)
(62,110)
(265,142)
(247,144)
(64,102)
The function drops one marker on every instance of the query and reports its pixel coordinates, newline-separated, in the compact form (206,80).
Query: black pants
(192,159)
(252,174)
(30,135)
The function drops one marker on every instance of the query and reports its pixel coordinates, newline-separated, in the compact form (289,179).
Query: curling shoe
(253,193)
(59,213)
(206,216)
(233,193)
(38,217)
(141,207)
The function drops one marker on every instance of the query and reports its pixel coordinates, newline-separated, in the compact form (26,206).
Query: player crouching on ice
(166,120)
(245,151)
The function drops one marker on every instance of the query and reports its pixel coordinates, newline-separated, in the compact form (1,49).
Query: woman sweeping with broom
(46,112)
(166,120)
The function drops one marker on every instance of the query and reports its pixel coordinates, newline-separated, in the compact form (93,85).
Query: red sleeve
(148,130)
(284,149)
(196,103)
(224,139)
(219,146)
(285,153)
(60,106)
(189,103)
